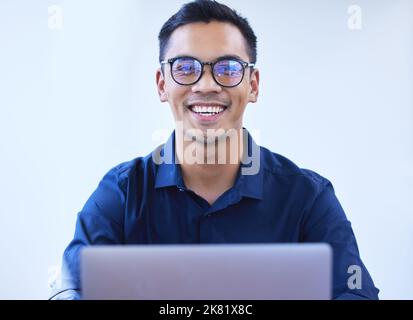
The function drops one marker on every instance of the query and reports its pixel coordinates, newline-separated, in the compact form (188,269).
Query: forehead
(207,41)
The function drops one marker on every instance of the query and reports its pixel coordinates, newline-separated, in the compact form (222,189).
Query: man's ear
(160,83)
(255,86)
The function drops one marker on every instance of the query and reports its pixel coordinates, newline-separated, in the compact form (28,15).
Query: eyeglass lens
(226,72)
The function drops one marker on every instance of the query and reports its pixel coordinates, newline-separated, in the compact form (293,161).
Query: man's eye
(228,71)
(185,68)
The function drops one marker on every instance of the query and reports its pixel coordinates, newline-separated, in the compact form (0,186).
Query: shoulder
(130,170)
(306,188)
(284,170)
(113,189)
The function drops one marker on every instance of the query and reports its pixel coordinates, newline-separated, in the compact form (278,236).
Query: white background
(77,101)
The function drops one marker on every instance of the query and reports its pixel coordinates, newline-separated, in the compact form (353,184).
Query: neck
(209,169)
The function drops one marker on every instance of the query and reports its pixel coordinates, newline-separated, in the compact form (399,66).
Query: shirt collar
(169,173)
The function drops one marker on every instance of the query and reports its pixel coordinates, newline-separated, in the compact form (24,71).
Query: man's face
(207,43)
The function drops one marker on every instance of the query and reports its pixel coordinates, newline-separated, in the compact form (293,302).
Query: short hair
(207,11)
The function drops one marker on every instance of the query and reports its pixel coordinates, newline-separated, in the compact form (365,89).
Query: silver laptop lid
(207,272)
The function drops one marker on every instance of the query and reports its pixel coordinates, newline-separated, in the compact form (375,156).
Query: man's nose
(207,82)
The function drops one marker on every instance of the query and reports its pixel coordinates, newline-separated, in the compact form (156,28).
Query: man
(210,183)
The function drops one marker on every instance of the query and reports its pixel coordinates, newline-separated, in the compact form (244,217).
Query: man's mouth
(207,114)
(207,111)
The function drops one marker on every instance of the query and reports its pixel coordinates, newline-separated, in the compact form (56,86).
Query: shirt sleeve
(326,222)
(100,222)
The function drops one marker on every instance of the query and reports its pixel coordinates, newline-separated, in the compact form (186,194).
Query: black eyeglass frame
(244,65)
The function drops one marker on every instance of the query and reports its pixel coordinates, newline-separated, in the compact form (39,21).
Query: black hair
(207,11)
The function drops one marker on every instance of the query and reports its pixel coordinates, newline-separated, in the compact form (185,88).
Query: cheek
(176,100)
(176,95)
(240,99)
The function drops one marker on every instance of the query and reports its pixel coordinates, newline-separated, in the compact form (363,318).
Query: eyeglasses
(228,72)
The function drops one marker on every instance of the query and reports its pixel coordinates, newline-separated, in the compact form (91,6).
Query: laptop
(207,272)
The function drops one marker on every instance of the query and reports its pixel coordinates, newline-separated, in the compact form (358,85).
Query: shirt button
(181,190)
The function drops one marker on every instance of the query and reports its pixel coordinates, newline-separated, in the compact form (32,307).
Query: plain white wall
(76,101)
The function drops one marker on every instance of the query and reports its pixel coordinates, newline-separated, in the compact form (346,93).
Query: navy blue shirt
(141,202)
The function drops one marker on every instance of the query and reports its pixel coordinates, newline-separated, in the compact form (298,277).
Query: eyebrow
(227,56)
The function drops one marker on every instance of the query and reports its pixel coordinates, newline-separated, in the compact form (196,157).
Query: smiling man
(207,77)
(197,188)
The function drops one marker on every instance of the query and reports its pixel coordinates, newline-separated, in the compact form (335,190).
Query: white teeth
(208,110)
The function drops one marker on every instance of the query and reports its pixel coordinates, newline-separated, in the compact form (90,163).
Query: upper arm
(100,222)
(325,221)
